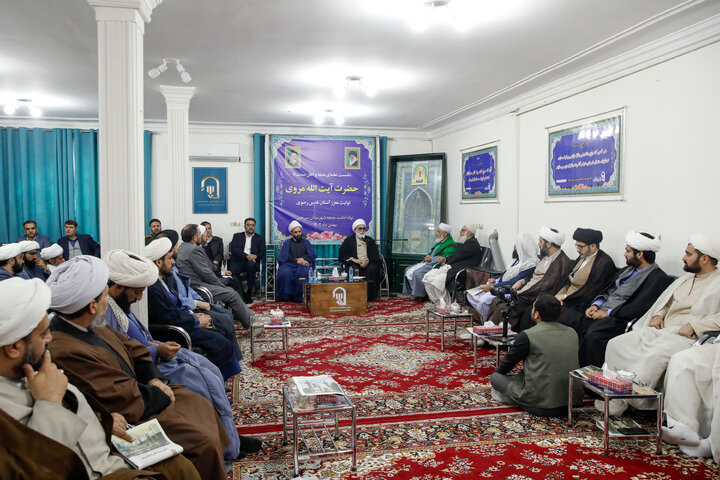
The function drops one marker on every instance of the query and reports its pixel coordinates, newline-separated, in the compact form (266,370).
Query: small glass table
(259,326)
(497,341)
(314,422)
(444,316)
(607,395)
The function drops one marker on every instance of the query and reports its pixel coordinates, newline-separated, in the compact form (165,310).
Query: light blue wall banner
(479,168)
(585,159)
(325,183)
(210,190)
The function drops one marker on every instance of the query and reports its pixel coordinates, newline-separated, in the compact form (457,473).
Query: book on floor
(619,428)
(150,445)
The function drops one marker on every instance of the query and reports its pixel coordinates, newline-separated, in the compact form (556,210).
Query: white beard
(462,239)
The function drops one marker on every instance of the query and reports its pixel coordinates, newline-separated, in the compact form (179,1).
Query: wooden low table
(335,298)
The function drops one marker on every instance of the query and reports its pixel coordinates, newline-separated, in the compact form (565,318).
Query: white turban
(11,250)
(640,242)
(293,225)
(157,249)
(77,282)
(445,228)
(28,246)
(52,251)
(558,238)
(703,243)
(25,303)
(130,270)
(357,222)
(201,230)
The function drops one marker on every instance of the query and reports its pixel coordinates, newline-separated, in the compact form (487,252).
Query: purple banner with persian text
(325,183)
(479,173)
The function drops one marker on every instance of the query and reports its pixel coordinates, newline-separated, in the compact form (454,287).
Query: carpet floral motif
(404,361)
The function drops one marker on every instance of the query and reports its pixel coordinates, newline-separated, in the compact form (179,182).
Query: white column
(121,27)
(178,107)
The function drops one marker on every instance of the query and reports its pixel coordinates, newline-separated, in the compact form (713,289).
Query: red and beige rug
(422,413)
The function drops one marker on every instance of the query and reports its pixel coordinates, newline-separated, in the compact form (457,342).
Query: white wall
(671,165)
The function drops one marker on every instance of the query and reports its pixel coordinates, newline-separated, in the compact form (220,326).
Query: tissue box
(325,400)
(620,386)
(276,320)
(494,330)
(442,309)
(338,278)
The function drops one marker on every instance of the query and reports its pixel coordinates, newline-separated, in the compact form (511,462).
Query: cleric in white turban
(11,261)
(688,308)
(130,270)
(643,242)
(24,306)
(76,283)
(158,248)
(444,247)
(297,255)
(359,251)
(53,256)
(552,235)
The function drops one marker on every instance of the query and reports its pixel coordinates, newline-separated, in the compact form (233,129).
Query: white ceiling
(254,60)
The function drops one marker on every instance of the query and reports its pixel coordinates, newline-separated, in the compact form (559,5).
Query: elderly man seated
(689,307)
(53,257)
(47,422)
(119,372)
(440,280)
(525,254)
(360,251)
(296,257)
(444,246)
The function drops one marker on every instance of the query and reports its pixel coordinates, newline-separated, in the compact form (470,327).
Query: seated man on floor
(444,246)
(296,257)
(31,234)
(247,249)
(74,244)
(549,276)
(525,254)
(360,251)
(51,412)
(192,261)
(155,229)
(11,261)
(165,308)
(689,307)
(33,267)
(119,372)
(548,352)
(692,402)
(53,256)
(440,281)
(632,292)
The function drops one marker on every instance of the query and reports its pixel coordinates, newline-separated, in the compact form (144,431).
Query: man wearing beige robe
(689,307)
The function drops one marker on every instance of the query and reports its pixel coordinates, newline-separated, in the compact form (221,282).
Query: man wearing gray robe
(689,307)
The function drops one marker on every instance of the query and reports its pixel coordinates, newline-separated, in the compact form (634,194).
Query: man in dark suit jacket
(366,262)
(214,248)
(31,234)
(74,244)
(246,260)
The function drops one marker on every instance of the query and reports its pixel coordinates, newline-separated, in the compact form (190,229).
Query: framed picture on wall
(479,174)
(210,190)
(585,158)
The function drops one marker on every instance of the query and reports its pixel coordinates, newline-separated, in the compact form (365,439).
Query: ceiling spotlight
(156,71)
(354,81)
(26,103)
(323,114)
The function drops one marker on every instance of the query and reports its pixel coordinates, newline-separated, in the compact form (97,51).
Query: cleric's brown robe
(553,280)
(191,421)
(25,453)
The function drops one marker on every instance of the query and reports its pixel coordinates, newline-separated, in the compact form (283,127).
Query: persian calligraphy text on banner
(479,168)
(586,159)
(325,183)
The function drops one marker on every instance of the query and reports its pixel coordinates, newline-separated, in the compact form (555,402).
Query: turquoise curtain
(383,195)
(48,176)
(148,141)
(327,250)
(259,182)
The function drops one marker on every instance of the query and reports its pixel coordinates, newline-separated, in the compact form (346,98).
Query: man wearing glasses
(361,252)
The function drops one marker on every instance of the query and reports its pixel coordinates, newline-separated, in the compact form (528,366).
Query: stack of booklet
(150,445)
(619,428)
(323,387)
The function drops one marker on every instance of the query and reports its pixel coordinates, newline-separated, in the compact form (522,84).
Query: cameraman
(549,350)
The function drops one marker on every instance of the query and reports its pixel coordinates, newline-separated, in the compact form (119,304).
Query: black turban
(588,236)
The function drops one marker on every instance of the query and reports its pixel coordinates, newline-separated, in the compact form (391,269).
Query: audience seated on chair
(247,250)
(74,244)
(548,351)
(360,251)
(214,248)
(155,229)
(444,246)
(11,261)
(31,233)
(33,267)
(440,281)
(296,257)
(52,256)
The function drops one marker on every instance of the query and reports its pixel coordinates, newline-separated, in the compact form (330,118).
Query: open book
(150,446)
(318,385)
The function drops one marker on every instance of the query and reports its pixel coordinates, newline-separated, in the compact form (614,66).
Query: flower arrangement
(325,236)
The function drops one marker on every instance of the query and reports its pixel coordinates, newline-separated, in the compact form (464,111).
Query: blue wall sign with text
(479,169)
(210,190)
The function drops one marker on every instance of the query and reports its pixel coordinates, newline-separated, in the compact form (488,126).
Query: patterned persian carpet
(422,413)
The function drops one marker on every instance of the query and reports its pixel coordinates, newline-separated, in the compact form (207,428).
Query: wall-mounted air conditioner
(215,152)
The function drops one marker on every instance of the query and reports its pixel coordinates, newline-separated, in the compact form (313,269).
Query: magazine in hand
(318,385)
(150,445)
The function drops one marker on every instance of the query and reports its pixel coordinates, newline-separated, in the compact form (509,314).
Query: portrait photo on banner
(585,158)
(210,190)
(479,173)
(323,182)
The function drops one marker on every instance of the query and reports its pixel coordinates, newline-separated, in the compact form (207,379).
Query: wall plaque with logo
(337,298)
(210,190)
